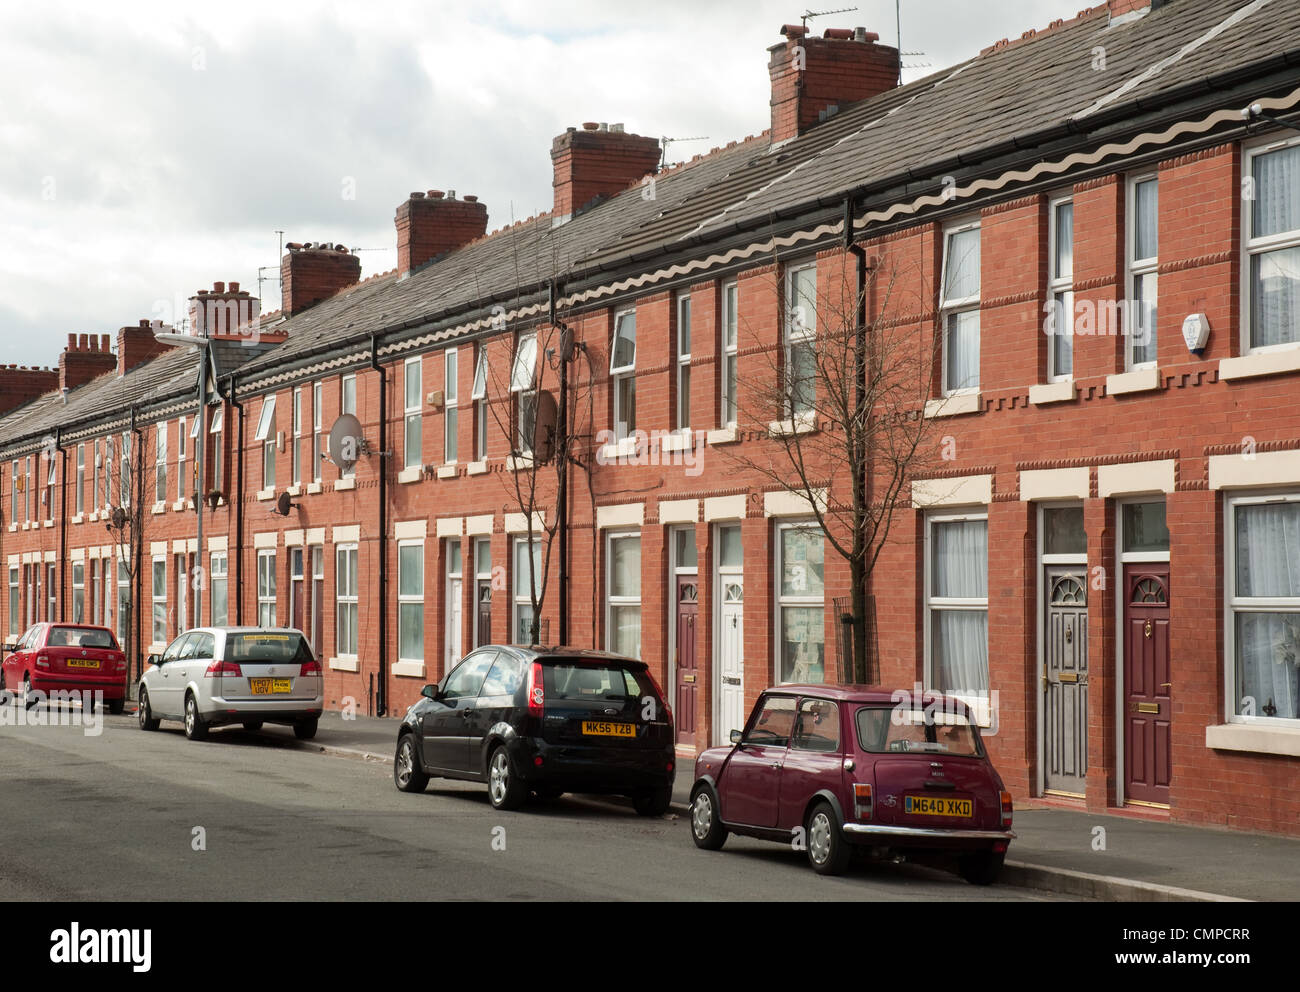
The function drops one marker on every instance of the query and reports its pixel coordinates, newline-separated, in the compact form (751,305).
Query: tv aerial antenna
(665,141)
(808,15)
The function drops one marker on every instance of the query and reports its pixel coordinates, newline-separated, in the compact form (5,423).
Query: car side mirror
(154,660)
(736,736)
(429,692)
(8,647)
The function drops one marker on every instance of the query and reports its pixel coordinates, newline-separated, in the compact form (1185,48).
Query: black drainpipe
(137,538)
(238,501)
(381,698)
(63,519)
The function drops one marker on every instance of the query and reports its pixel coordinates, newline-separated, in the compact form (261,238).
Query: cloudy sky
(149,149)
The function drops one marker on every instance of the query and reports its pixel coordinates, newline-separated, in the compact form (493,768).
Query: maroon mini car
(70,657)
(831,768)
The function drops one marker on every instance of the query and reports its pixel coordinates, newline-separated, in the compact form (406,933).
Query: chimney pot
(436,194)
(417,195)
(590,126)
(218,287)
(234,287)
(72,342)
(81,342)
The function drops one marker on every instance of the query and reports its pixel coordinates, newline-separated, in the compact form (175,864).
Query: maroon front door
(688,612)
(1148,709)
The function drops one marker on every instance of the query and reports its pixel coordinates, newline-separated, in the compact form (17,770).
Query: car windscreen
(81,637)
(901,730)
(582,683)
(286,648)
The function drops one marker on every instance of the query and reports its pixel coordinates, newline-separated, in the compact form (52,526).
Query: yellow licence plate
(266,687)
(938,806)
(601,729)
(82,663)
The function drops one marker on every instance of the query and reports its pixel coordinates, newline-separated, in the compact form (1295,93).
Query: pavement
(1067,851)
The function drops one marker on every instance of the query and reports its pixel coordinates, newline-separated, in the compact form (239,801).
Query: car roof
(541,652)
(857,693)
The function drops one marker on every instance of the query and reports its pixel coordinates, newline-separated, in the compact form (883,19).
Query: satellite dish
(346,442)
(283,504)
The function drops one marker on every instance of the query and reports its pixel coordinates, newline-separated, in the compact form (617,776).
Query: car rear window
(81,637)
(287,648)
(897,729)
(596,682)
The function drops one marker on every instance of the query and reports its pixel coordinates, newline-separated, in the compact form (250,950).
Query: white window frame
(160,462)
(80,493)
(518,599)
(123,595)
(79,593)
(298,439)
(413,413)
(682,411)
(931,603)
(94,475)
(181,458)
(729,379)
(454,555)
(1258,246)
(267,591)
(348,404)
(952,306)
(781,602)
(15,600)
(51,476)
(346,600)
(478,396)
(1139,268)
(796,330)
(156,600)
(612,601)
(523,383)
(450,406)
(317,420)
(1059,285)
(266,434)
(479,575)
(218,575)
(1234,604)
(623,376)
(410,599)
(124,479)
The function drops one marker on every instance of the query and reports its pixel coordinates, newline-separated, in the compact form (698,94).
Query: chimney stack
(432,224)
(313,272)
(86,357)
(812,78)
(137,345)
(20,384)
(598,161)
(224,313)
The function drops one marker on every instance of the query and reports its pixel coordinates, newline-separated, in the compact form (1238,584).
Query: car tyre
(407,774)
(195,728)
(117,706)
(252,726)
(828,851)
(981,869)
(305,730)
(145,715)
(505,790)
(654,803)
(29,698)
(706,822)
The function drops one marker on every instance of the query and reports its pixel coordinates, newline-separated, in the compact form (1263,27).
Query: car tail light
(1006,807)
(660,693)
(120,664)
(862,800)
(218,668)
(42,661)
(309,668)
(536,691)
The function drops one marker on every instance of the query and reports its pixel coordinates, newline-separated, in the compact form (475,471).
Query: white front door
(453,624)
(730,682)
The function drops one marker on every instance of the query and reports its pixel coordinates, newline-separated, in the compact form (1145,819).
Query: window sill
(1261,363)
(27,525)
(342,485)
(160,507)
(344,665)
(723,435)
(447,471)
(264,494)
(13,528)
(49,523)
(77,519)
(94,517)
(622,448)
(803,423)
(178,506)
(409,475)
(519,463)
(313,488)
(476,468)
(1052,392)
(956,405)
(409,669)
(1253,737)
(294,490)
(1137,381)
(679,440)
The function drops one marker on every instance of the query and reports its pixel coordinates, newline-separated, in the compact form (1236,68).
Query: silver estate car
(212,676)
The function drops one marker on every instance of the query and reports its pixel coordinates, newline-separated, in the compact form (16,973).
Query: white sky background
(148,149)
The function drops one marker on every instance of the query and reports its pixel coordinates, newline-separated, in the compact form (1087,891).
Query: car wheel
(407,774)
(305,730)
(982,868)
(828,852)
(195,728)
(504,790)
(117,706)
(654,803)
(29,698)
(706,825)
(252,726)
(145,715)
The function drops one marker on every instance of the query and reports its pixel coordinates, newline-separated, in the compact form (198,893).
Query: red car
(830,768)
(69,657)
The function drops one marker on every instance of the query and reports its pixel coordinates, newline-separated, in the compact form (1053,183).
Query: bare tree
(124,494)
(836,414)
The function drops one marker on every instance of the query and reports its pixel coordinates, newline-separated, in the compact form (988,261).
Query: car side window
(504,678)
(468,677)
(817,727)
(188,648)
(773,722)
(175,648)
(204,645)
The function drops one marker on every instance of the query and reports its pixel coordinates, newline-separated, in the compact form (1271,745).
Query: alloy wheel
(498,777)
(405,766)
(190,715)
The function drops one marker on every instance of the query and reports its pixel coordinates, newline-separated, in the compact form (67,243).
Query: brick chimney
(20,384)
(434,223)
(598,161)
(137,345)
(224,313)
(86,357)
(1129,10)
(812,78)
(313,272)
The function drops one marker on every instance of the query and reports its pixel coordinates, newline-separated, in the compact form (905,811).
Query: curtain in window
(625,567)
(1268,550)
(960,559)
(1146,199)
(1268,644)
(962,279)
(963,355)
(1277,193)
(1064,241)
(959,637)
(625,630)
(1275,297)
(959,647)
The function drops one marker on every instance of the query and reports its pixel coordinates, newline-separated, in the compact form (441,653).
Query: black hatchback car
(544,721)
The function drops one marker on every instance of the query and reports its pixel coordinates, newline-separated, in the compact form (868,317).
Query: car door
(751,784)
(18,662)
(167,686)
(445,724)
(196,659)
(495,703)
(814,762)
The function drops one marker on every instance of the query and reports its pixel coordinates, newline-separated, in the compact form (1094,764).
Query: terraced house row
(1091,237)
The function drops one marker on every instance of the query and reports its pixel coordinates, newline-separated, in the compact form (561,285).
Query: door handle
(1166,685)
(776,764)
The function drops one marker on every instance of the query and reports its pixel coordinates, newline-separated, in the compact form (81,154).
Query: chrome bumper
(880,830)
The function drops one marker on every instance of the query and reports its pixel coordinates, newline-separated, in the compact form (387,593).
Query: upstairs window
(523,383)
(730,353)
(81,482)
(348,404)
(683,363)
(299,441)
(181,437)
(160,463)
(266,434)
(1143,263)
(451,421)
(479,397)
(414,433)
(1060,342)
(1272,229)
(800,341)
(317,412)
(959,309)
(622,371)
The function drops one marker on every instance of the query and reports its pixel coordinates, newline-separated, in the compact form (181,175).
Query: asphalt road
(119,817)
